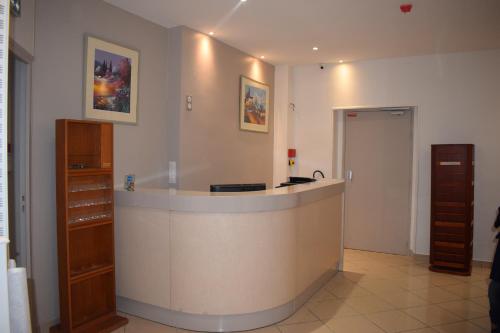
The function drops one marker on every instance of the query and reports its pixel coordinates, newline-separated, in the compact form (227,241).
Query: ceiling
(285,31)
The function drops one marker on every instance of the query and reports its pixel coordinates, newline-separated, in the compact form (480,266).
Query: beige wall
(22,28)
(457,101)
(57,93)
(211,147)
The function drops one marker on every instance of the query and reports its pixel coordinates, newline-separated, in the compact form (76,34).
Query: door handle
(349,175)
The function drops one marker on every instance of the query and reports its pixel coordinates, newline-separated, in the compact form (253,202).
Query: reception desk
(225,261)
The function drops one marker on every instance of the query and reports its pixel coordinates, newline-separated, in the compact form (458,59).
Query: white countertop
(217,202)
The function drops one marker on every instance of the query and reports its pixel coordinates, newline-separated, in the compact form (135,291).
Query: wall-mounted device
(292,153)
(189,103)
(172,172)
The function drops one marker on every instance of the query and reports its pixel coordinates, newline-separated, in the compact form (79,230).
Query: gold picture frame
(254,105)
(111,81)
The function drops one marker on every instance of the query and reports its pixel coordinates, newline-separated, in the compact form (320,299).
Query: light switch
(189,103)
(172,172)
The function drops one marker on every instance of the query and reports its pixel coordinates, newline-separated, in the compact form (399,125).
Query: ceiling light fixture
(341,61)
(243,0)
(211,33)
(315,48)
(262,57)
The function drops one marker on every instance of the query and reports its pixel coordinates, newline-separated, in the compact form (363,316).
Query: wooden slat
(457,225)
(448,264)
(450,245)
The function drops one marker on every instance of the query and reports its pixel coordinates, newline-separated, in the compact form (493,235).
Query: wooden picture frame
(111,81)
(254,105)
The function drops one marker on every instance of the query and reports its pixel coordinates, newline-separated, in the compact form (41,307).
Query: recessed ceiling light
(341,61)
(315,48)
(262,57)
(243,0)
(211,33)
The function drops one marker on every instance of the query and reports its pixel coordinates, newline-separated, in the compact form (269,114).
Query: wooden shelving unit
(85,236)
(452,208)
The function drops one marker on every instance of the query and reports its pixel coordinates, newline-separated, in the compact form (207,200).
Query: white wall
(22,28)
(282,91)
(57,93)
(458,100)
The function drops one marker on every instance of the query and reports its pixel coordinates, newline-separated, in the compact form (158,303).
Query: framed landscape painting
(110,82)
(254,105)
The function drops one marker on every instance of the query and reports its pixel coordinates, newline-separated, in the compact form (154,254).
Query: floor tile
(315,327)
(413,282)
(415,270)
(435,295)
(368,304)
(432,315)
(321,295)
(440,279)
(381,286)
(465,309)
(348,291)
(354,324)
(483,301)
(395,321)
(461,327)
(483,322)
(423,330)
(331,308)
(352,276)
(301,316)
(403,300)
(466,290)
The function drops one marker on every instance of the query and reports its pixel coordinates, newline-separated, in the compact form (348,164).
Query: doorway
(18,134)
(378,172)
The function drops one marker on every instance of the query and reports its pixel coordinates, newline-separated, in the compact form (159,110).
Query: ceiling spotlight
(315,48)
(243,0)
(341,61)
(262,57)
(211,33)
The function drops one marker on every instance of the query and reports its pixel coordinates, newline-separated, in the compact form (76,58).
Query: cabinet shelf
(87,171)
(89,224)
(89,203)
(90,272)
(90,218)
(85,227)
(90,189)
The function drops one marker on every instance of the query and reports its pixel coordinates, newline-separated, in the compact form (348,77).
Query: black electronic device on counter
(238,187)
(296,180)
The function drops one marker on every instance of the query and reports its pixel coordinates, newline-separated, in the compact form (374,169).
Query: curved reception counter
(225,261)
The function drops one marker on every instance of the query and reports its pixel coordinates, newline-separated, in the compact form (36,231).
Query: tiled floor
(380,293)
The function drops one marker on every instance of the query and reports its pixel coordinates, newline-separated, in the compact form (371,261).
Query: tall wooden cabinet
(84,168)
(452,208)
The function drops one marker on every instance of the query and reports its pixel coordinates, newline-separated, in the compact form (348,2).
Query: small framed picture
(111,81)
(254,105)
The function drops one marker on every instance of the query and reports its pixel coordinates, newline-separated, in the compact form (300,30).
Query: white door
(378,164)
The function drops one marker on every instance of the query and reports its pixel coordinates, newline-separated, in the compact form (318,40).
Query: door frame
(24,154)
(339,148)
